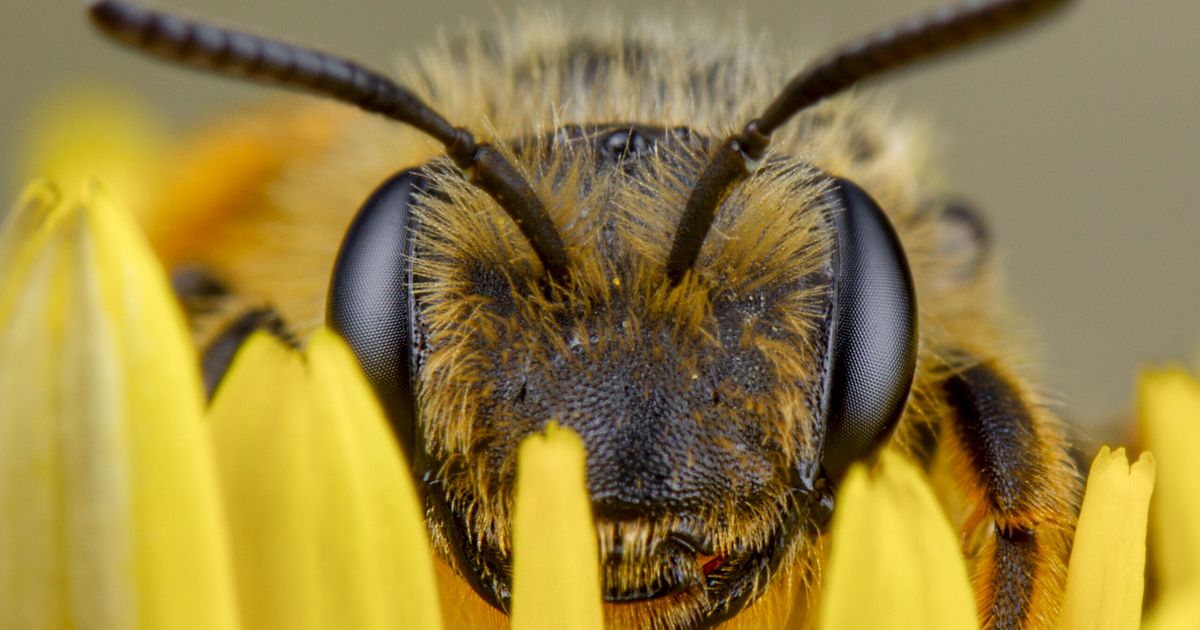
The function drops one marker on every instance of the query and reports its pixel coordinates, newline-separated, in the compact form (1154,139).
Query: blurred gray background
(1080,142)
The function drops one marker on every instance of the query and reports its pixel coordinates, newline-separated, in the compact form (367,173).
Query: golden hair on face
(728,313)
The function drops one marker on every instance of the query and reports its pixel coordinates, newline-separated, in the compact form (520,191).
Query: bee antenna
(905,43)
(233,53)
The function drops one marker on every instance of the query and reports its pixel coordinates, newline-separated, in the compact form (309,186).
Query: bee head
(726,329)
(717,412)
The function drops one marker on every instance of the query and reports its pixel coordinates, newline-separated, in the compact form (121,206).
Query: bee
(720,299)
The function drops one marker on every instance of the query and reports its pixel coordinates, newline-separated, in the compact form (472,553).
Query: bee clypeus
(729,320)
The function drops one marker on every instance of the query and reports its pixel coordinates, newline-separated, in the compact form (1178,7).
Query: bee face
(705,406)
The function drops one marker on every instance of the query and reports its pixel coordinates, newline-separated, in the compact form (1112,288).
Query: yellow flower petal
(1169,412)
(556,576)
(25,225)
(322,512)
(86,131)
(894,559)
(1108,558)
(109,516)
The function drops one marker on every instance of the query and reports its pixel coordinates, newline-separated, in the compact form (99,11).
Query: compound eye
(874,331)
(370,297)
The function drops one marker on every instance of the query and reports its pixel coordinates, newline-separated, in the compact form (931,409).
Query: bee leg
(218,354)
(1013,463)
(221,320)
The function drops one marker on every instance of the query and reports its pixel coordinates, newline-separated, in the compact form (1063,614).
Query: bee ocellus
(730,283)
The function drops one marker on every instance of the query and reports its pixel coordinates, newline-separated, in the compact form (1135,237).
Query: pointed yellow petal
(25,225)
(1108,558)
(556,574)
(1169,413)
(894,559)
(323,516)
(108,509)
(87,131)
